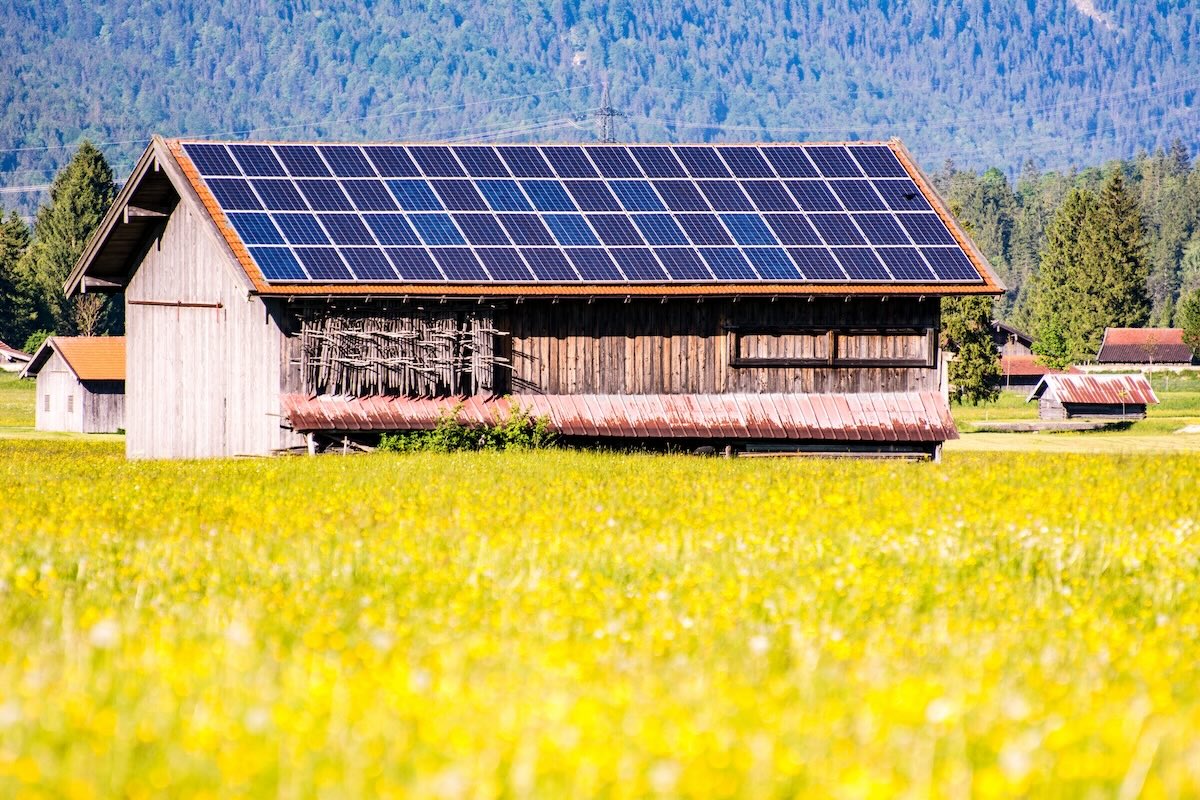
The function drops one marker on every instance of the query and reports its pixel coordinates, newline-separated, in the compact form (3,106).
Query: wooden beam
(93,284)
(144,213)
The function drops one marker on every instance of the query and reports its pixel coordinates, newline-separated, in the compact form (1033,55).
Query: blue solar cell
(683,264)
(637,196)
(659,229)
(701,162)
(302,160)
(234,194)
(391,229)
(324,195)
(391,161)
(548,196)
(369,264)
(813,196)
(926,228)
(549,264)
(504,195)
(746,162)
(504,264)
(571,229)
(300,228)
(857,195)
(834,162)
(525,162)
(347,161)
(369,195)
(256,159)
(950,264)
(748,229)
(861,264)
(657,162)
(836,229)
(773,264)
(902,195)
(459,195)
(279,195)
(905,263)
(592,196)
(211,159)
(323,263)
(614,162)
(277,264)
(459,264)
(790,162)
(346,229)
(792,229)
(436,228)
(436,162)
(415,195)
(769,196)
(569,162)
(725,196)
(878,161)
(526,229)
(881,229)
(816,264)
(703,229)
(481,229)
(255,228)
(414,264)
(593,264)
(615,229)
(681,195)
(481,162)
(638,264)
(728,264)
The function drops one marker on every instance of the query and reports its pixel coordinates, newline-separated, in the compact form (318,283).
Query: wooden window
(851,347)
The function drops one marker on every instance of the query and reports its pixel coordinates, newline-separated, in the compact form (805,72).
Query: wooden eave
(990,285)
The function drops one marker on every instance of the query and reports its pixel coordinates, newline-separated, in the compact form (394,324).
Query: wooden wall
(682,347)
(200,381)
(103,406)
(59,397)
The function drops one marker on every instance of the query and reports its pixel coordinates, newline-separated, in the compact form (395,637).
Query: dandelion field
(577,624)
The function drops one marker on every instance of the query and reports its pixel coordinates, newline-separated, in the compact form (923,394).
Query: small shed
(1105,396)
(1145,348)
(12,359)
(80,383)
(1011,341)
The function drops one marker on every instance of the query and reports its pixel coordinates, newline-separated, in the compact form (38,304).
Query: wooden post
(311,440)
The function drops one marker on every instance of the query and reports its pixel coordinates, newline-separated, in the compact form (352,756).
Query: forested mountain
(1064,82)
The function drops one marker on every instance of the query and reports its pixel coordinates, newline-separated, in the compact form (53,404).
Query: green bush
(519,431)
(35,340)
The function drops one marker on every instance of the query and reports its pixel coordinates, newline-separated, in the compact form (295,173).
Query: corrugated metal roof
(1096,389)
(1143,346)
(1026,366)
(873,417)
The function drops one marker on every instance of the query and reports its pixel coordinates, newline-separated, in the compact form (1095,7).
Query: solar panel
(569,213)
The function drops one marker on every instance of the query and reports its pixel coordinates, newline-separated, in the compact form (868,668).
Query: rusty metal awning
(866,417)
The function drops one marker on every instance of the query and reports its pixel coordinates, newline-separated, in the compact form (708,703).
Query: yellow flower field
(576,624)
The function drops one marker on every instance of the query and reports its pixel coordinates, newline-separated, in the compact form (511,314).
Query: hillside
(1065,82)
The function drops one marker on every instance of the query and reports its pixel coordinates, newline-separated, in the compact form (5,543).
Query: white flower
(105,634)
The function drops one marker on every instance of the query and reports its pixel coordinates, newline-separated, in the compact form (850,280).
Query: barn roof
(91,358)
(1095,389)
(863,417)
(1026,366)
(12,353)
(1009,331)
(1144,346)
(872,226)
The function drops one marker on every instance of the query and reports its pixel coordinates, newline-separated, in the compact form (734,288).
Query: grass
(580,624)
(17,399)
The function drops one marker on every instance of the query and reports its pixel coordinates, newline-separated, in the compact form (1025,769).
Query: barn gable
(80,384)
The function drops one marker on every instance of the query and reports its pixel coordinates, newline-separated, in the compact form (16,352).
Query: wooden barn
(282,295)
(1144,349)
(12,359)
(1011,341)
(1093,396)
(80,384)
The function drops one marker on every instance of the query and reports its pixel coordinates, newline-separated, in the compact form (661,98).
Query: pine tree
(79,197)
(1064,296)
(974,373)
(1188,317)
(1115,255)
(15,306)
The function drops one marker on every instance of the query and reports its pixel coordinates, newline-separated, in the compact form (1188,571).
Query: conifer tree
(79,197)
(15,306)
(966,329)
(1188,316)
(1115,254)
(1064,294)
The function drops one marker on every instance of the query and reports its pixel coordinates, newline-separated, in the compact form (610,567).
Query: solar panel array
(580,214)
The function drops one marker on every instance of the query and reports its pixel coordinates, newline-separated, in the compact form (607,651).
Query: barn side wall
(103,406)
(55,384)
(200,380)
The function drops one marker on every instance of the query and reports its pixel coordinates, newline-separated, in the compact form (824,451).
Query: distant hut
(80,383)
(1011,341)
(1144,348)
(12,359)
(1103,396)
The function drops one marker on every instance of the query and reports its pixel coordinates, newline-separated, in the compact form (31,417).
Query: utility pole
(605,115)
